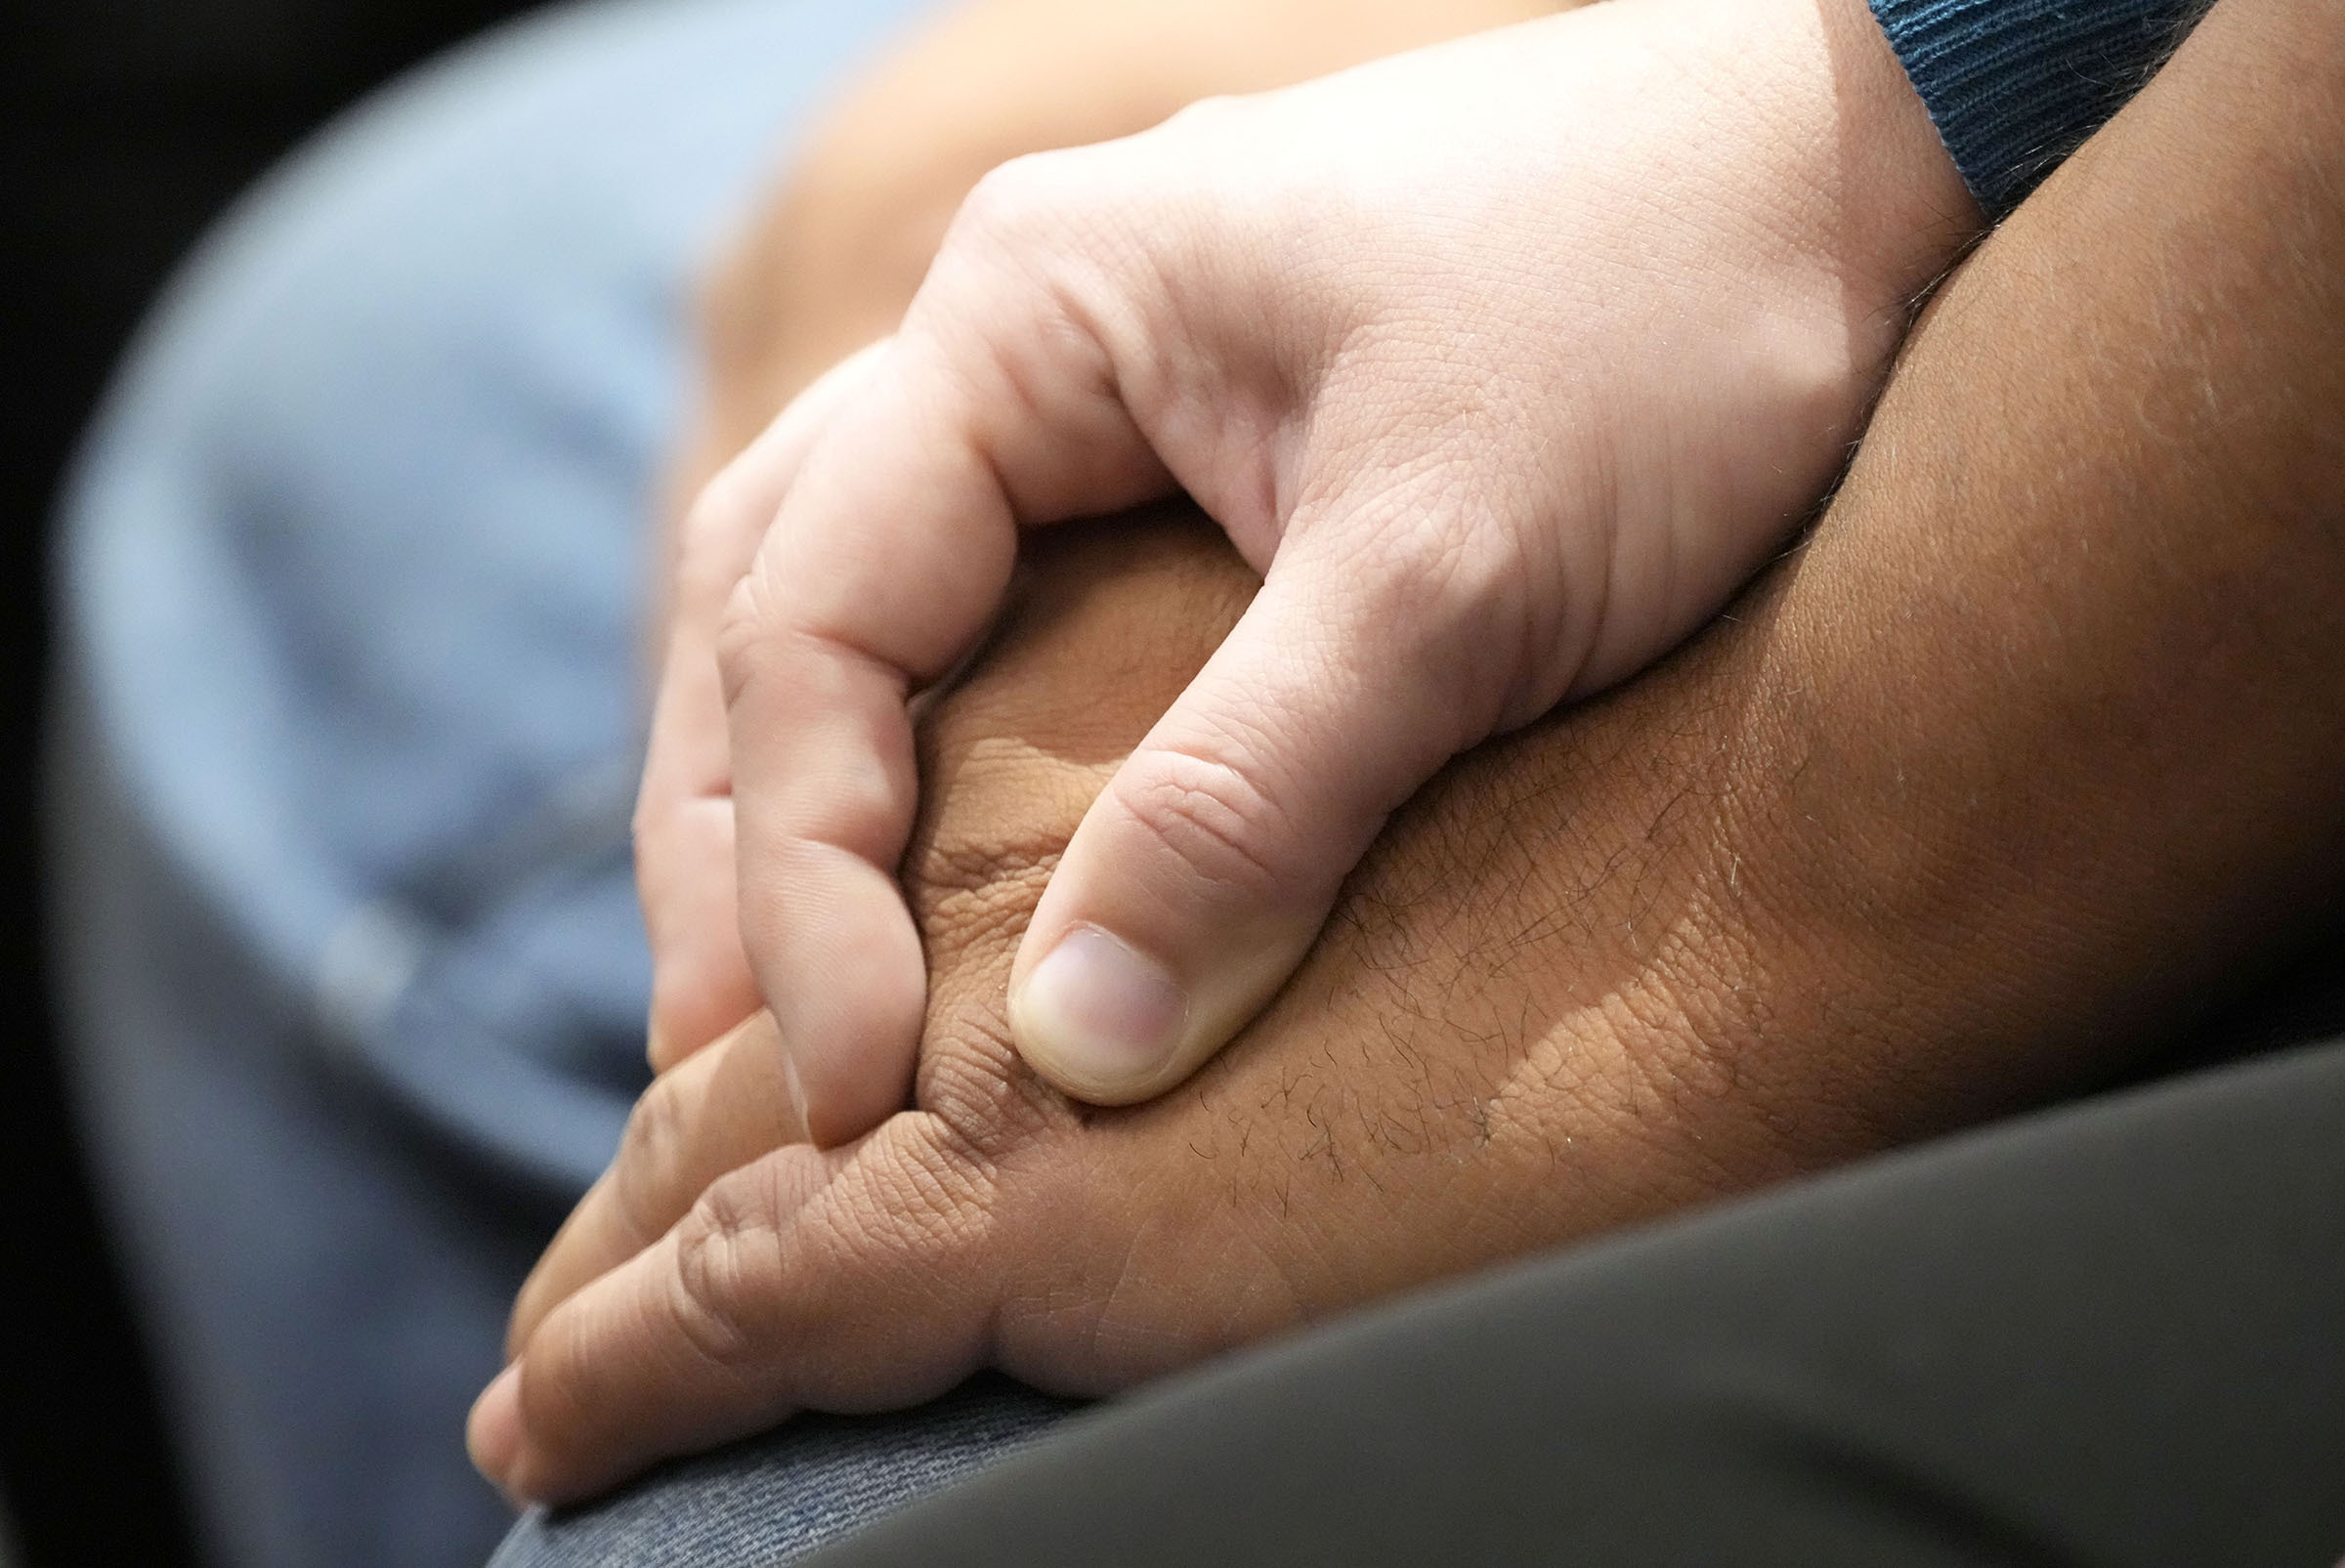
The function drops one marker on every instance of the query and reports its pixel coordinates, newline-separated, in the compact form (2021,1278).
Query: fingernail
(492,1433)
(1098,1013)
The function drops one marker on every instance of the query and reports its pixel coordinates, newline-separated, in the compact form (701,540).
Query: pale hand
(1504,361)
(825,265)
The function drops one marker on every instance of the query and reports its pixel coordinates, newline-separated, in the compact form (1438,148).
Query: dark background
(125,125)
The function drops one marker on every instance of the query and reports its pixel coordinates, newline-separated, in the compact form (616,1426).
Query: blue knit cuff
(2013,86)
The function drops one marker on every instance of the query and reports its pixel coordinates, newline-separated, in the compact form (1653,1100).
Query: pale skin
(828,267)
(1518,354)
(2024,753)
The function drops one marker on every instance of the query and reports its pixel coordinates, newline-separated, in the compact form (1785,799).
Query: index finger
(718,1110)
(889,556)
(684,823)
(852,1280)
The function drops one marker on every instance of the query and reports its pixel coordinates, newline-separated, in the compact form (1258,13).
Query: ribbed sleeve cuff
(2013,86)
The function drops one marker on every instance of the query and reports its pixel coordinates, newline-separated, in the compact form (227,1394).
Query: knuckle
(717,545)
(931,1192)
(977,896)
(1219,118)
(650,1161)
(745,633)
(1214,820)
(709,553)
(1046,229)
(1011,204)
(724,1248)
(983,1096)
(972,907)
(648,825)
(1212,110)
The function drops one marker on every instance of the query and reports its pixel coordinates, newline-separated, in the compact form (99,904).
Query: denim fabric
(2014,86)
(351,574)
(775,1498)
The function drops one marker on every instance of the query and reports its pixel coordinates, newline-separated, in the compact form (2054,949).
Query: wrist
(2036,757)
(1864,187)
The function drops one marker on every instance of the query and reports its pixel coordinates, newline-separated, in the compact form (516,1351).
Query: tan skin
(1517,353)
(2027,753)
(831,259)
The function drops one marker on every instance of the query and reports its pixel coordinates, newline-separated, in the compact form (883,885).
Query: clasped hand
(1503,363)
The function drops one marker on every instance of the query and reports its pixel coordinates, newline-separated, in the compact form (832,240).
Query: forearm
(2025,749)
(2027,753)
(2031,744)
(2035,743)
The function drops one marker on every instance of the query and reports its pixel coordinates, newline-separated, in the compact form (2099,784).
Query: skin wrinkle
(1012,228)
(708,1247)
(1195,804)
(946,1180)
(974,1089)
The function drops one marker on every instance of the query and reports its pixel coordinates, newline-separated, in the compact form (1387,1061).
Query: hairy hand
(1430,1071)
(2030,746)
(1506,361)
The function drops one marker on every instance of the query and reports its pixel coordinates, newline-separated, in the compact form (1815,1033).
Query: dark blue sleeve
(2013,86)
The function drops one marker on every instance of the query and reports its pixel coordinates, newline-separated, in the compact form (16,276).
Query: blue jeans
(352,578)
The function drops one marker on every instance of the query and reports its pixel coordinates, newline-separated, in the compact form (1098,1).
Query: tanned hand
(2028,752)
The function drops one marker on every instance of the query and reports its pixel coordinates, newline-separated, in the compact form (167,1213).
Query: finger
(1202,874)
(838,1281)
(889,556)
(720,1109)
(684,824)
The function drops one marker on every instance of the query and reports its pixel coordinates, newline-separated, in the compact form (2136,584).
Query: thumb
(1200,877)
